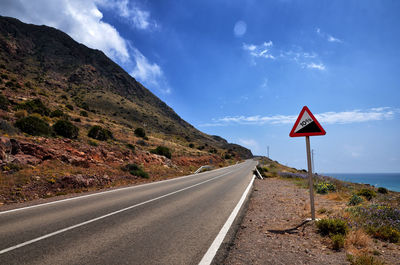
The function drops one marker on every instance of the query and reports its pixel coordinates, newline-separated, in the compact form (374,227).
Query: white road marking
(104,216)
(212,250)
(109,191)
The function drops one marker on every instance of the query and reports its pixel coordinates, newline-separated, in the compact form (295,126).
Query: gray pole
(268,151)
(312,161)
(310,178)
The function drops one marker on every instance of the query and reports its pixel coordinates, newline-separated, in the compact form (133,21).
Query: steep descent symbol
(306,125)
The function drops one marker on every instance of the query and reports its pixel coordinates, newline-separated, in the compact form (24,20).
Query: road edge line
(213,249)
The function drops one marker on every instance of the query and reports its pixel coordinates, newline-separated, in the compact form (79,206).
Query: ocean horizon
(391,181)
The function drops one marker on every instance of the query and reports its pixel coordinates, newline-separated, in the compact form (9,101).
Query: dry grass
(357,242)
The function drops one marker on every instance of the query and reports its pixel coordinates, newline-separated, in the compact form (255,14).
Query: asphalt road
(168,222)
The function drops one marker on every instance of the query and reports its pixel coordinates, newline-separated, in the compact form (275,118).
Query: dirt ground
(277,205)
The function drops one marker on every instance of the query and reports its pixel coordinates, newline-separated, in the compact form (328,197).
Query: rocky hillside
(52,61)
(72,120)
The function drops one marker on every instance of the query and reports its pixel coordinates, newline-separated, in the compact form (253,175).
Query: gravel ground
(277,205)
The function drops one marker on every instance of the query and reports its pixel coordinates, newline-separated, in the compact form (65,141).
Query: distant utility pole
(312,160)
(268,151)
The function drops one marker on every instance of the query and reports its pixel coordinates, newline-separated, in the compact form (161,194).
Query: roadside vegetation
(366,217)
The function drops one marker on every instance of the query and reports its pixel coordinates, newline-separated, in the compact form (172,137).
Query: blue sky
(244,69)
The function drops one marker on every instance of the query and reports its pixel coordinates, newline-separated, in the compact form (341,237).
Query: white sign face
(304,121)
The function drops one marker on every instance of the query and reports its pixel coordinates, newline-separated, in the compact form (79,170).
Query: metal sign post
(310,178)
(307,125)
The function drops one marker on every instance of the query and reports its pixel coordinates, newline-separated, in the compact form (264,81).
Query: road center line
(104,216)
(110,191)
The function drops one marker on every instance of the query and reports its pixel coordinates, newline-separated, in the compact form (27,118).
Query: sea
(391,181)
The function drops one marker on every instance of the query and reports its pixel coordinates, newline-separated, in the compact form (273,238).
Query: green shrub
(337,241)
(191,145)
(84,106)
(213,151)
(4,102)
(163,151)
(9,84)
(131,146)
(69,106)
(140,132)
(355,200)
(4,76)
(382,190)
(135,170)
(227,156)
(386,233)
(99,133)
(367,193)
(56,113)
(66,129)
(325,187)
(332,227)
(92,143)
(34,106)
(84,113)
(34,126)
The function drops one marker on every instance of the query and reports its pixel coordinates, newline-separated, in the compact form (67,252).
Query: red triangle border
(293,134)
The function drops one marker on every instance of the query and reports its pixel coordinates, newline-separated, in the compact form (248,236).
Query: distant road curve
(167,222)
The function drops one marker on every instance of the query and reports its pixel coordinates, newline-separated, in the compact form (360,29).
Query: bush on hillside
(325,187)
(34,106)
(99,133)
(84,113)
(135,170)
(66,129)
(163,151)
(4,102)
(382,190)
(386,232)
(355,200)
(337,242)
(140,132)
(131,146)
(367,193)
(34,126)
(56,113)
(332,227)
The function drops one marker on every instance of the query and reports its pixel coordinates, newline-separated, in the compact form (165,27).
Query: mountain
(50,64)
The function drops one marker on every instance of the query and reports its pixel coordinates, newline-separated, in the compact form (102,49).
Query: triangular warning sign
(306,125)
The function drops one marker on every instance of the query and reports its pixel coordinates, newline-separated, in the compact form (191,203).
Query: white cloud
(319,66)
(333,39)
(259,51)
(130,12)
(328,37)
(267,51)
(345,117)
(149,74)
(249,143)
(240,28)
